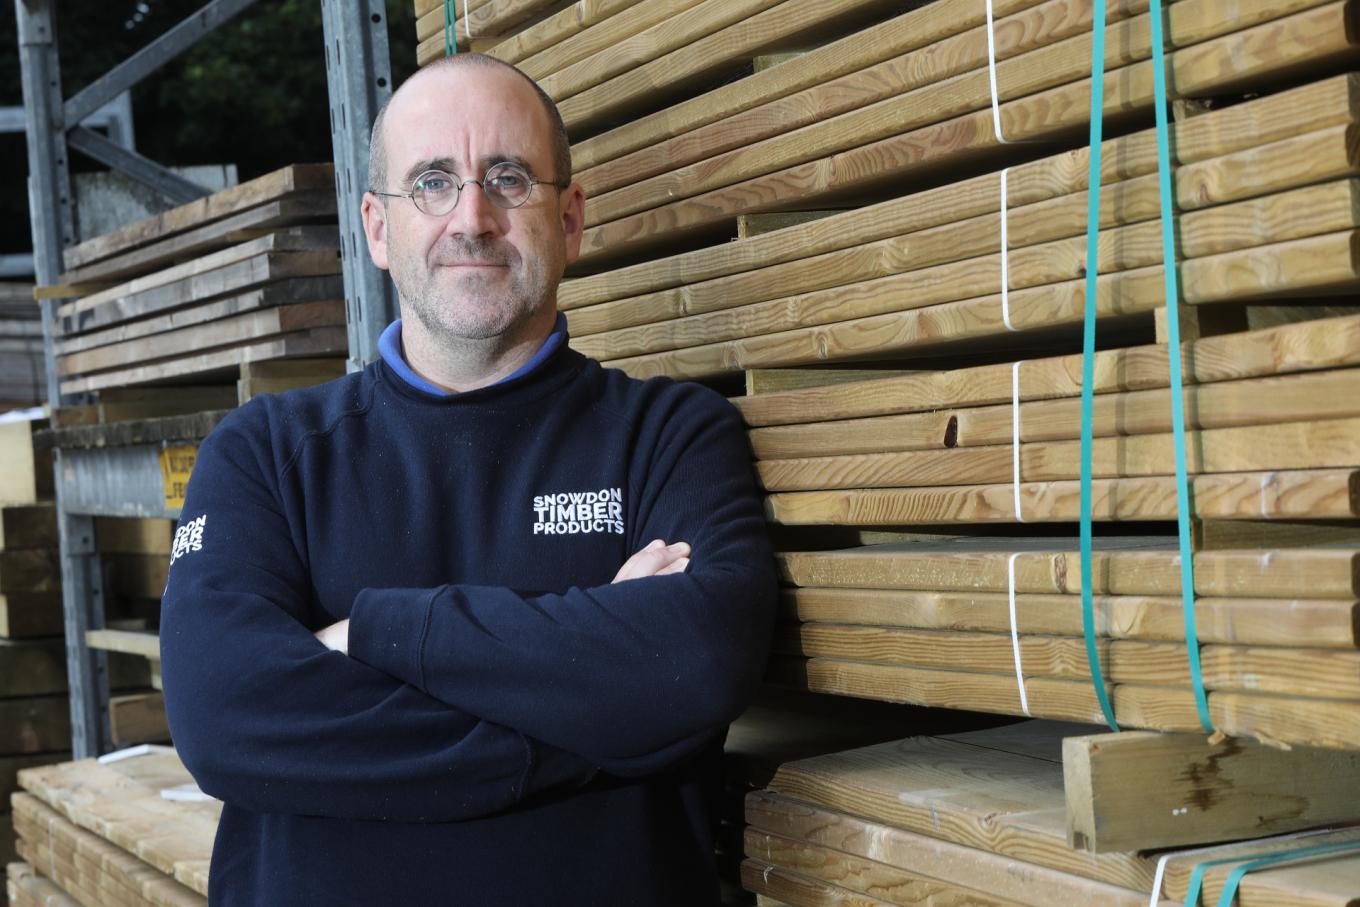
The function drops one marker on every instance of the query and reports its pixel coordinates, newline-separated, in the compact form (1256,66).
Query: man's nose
(474,215)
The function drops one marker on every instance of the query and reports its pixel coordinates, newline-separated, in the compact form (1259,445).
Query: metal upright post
(53,230)
(359,77)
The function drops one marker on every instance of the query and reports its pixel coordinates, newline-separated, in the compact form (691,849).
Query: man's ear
(374,213)
(573,208)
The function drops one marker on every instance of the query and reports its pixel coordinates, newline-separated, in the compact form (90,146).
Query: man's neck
(471,364)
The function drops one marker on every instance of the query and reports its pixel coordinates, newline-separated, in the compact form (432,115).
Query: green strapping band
(450,28)
(1173,344)
(1088,355)
(1170,282)
(1251,862)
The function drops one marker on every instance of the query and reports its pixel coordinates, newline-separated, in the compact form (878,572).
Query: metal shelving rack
(125,480)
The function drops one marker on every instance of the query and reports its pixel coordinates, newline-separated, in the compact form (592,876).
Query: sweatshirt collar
(389,346)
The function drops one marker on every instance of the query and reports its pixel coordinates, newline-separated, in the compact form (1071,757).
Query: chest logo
(579,512)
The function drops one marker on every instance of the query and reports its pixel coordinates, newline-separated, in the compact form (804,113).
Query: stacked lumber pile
(22,380)
(131,833)
(980,818)
(247,275)
(885,237)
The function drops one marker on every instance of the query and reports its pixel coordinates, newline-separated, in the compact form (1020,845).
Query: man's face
(479,271)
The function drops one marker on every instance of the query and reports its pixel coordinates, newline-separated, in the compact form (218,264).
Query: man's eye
(434,184)
(507,181)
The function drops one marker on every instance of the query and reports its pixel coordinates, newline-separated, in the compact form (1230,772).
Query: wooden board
(32,668)
(28,526)
(310,206)
(598,27)
(1265,120)
(794,889)
(138,718)
(24,615)
(35,725)
(1255,54)
(27,476)
(1145,791)
(302,344)
(121,803)
(28,889)
(31,570)
(1131,566)
(131,642)
(133,536)
(246,327)
(1304,623)
(281,183)
(560,27)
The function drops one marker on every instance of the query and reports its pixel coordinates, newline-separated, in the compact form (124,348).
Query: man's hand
(657,559)
(335,637)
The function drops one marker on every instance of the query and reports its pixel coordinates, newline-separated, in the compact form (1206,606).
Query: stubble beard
(455,306)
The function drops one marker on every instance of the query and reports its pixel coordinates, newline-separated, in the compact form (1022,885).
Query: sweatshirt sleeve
(634,676)
(268,719)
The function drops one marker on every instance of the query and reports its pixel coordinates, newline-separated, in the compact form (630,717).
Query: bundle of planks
(130,833)
(22,381)
(246,275)
(979,818)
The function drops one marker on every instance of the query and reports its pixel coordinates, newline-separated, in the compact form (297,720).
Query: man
(467,627)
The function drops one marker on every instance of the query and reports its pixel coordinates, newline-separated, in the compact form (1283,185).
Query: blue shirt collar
(389,346)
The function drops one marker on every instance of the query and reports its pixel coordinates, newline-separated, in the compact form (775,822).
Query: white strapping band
(1015,438)
(1005,255)
(991,74)
(1015,636)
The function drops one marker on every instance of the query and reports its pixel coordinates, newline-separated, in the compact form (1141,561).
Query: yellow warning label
(176,464)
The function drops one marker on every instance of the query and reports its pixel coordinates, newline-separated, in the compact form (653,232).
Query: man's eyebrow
(450,167)
(419,167)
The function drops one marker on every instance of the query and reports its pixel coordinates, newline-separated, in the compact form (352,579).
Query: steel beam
(151,58)
(142,169)
(87,670)
(359,79)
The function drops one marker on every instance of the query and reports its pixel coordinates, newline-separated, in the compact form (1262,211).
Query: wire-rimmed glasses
(436,193)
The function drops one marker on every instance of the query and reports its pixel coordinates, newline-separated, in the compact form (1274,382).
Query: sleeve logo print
(188,537)
(578,512)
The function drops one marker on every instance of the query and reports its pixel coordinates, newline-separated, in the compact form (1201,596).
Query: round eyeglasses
(506,185)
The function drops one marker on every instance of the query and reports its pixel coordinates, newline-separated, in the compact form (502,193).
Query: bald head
(449,66)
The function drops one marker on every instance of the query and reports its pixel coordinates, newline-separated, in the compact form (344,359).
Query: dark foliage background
(253,93)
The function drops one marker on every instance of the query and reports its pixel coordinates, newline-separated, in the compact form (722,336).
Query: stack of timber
(245,276)
(22,380)
(981,818)
(129,833)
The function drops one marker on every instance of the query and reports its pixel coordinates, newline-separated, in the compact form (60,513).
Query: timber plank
(309,343)
(28,526)
(1311,40)
(1285,494)
(309,206)
(1304,396)
(29,570)
(1146,791)
(287,181)
(839,870)
(1132,566)
(1270,119)
(799,833)
(28,889)
(1286,349)
(24,615)
(606,26)
(1330,207)
(121,803)
(1304,623)
(560,27)
(284,291)
(948,57)
(138,718)
(1287,445)
(229,331)
(1297,266)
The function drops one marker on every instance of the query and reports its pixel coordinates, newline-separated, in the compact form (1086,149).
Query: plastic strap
(1088,354)
(1015,637)
(1005,255)
(1173,341)
(991,75)
(1159,875)
(1251,862)
(1015,438)
(450,28)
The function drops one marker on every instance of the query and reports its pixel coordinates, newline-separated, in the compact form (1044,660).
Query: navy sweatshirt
(509,727)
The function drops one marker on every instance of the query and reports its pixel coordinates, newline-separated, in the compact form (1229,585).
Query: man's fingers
(676,566)
(653,559)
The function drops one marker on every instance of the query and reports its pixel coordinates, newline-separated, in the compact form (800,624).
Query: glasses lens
(435,192)
(507,185)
